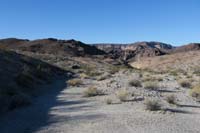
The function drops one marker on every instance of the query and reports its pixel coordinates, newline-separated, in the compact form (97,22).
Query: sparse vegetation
(122,95)
(74,82)
(135,83)
(151,85)
(152,105)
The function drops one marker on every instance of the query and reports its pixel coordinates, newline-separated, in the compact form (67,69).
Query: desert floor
(64,109)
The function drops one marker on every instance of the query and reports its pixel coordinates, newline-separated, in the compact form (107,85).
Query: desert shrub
(92,91)
(135,83)
(195,91)
(74,82)
(122,95)
(151,85)
(185,84)
(90,71)
(108,101)
(152,105)
(171,99)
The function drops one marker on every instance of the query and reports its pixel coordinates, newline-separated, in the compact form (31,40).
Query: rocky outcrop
(135,50)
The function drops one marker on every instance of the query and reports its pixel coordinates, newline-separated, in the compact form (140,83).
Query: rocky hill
(51,45)
(134,50)
(187,47)
(20,77)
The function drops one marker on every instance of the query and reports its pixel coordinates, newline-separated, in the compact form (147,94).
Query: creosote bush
(74,82)
(135,83)
(122,95)
(152,105)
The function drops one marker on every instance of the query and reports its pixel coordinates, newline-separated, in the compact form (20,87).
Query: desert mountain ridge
(126,52)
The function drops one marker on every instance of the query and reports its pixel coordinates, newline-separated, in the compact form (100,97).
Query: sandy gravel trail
(64,110)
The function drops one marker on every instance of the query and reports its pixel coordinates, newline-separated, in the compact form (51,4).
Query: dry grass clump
(92,91)
(195,91)
(171,99)
(135,83)
(122,95)
(185,84)
(151,85)
(152,105)
(74,82)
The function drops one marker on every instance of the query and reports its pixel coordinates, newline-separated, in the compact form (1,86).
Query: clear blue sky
(91,21)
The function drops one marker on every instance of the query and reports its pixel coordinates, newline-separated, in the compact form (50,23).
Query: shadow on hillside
(37,116)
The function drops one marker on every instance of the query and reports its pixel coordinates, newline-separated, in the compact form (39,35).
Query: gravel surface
(65,110)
